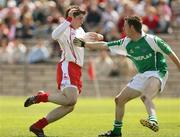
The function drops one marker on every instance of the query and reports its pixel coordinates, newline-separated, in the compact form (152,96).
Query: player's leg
(68,79)
(54,115)
(60,98)
(65,109)
(71,94)
(150,91)
(58,113)
(67,97)
(152,88)
(68,76)
(121,99)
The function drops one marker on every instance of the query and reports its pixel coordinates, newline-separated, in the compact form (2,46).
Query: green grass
(90,117)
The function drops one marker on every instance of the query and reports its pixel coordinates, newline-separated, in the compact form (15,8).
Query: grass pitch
(90,118)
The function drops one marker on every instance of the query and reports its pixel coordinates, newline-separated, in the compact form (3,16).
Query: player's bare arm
(91,45)
(175,59)
(96,45)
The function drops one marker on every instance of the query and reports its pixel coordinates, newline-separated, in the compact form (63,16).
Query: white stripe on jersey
(65,35)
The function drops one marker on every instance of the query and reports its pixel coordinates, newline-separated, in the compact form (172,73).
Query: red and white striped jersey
(65,35)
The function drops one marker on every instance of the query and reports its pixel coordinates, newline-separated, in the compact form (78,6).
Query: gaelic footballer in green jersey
(148,54)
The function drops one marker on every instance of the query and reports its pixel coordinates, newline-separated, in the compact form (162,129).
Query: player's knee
(70,108)
(119,101)
(116,100)
(144,98)
(72,101)
(154,82)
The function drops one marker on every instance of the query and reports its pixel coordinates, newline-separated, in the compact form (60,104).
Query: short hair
(79,11)
(135,21)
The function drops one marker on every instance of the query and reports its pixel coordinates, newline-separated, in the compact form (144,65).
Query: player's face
(79,20)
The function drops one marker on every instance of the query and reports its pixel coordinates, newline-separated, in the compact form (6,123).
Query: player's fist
(79,42)
(92,37)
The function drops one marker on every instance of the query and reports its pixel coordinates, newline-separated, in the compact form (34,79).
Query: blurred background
(28,55)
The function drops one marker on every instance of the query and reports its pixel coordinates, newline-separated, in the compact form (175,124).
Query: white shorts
(139,81)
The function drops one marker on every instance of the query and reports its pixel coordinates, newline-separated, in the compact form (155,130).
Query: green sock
(152,118)
(117,127)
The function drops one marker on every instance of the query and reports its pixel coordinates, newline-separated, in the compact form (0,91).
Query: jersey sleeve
(119,46)
(115,43)
(60,29)
(165,48)
(80,33)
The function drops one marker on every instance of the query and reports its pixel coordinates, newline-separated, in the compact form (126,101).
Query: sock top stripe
(118,125)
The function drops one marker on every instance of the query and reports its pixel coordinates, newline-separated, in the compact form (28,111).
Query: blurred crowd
(34,20)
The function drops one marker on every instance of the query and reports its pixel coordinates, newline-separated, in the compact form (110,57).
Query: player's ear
(132,28)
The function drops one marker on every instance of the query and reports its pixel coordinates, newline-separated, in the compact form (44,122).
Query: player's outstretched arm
(91,45)
(97,45)
(175,59)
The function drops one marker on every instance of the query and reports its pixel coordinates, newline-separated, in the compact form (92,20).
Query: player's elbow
(53,35)
(70,108)
(145,98)
(72,102)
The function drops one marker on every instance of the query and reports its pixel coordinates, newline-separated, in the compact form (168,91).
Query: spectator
(38,53)
(103,61)
(26,18)
(12,10)
(2,3)
(176,12)
(139,7)
(110,14)
(54,17)
(11,25)
(125,66)
(39,14)
(165,14)
(56,50)
(4,30)
(17,52)
(151,19)
(27,28)
(127,11)
(111,32)
(94,17)
(4,54)
(62,5)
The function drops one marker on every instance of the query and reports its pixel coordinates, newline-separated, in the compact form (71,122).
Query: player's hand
(95,36)
(78,42)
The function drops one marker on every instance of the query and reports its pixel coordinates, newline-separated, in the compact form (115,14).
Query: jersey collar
(143,34)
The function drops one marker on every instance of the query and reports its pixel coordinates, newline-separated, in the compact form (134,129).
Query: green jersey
(147,53)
